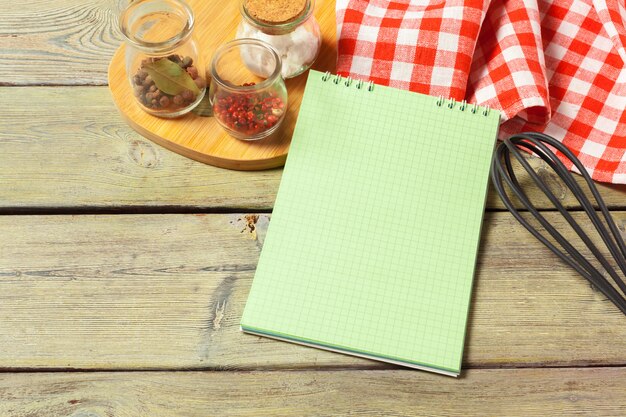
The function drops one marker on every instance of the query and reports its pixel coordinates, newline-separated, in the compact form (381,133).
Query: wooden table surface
(124,269)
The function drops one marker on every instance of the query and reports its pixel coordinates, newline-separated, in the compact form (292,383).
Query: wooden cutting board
(201,138)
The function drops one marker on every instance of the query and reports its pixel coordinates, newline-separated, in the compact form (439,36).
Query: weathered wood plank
(68,42)
(82,155)
(614,195)
(167,292)
(69,148)
(511,392)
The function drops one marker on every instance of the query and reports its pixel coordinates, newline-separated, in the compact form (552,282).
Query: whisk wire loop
(502,172)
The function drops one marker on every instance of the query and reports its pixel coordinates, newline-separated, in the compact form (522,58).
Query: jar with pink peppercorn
(248,105)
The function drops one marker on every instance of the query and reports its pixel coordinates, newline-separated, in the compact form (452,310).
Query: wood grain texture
(67,42)
(521,392)
(67,147)
(614,195)
(202,138)
(167,292)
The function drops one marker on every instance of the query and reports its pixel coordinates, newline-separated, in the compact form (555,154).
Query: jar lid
(275,11)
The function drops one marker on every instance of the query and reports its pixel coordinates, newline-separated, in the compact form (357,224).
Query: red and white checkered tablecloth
(549,66)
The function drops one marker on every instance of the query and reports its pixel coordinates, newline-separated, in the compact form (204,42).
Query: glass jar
(297,40)
(247,102)
(164,68)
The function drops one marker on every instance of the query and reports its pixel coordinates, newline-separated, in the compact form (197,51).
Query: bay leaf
(170,78)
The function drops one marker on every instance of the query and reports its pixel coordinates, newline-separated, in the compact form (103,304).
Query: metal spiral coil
(337,79)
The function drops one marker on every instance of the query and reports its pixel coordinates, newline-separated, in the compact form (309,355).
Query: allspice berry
(188,95)
(193,71)
(174,58)
(138,89)
(148,93)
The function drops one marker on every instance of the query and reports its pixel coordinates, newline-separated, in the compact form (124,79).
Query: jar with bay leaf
(163,64)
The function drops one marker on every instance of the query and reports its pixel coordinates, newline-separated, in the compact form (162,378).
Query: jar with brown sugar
(289,26)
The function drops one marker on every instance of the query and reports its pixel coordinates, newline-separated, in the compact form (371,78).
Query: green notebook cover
(372,243)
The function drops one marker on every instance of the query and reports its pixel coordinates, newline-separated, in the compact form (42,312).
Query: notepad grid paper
(356,257)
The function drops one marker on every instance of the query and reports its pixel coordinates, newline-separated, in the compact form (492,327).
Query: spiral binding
(463,105)
(347,81)
(451,103)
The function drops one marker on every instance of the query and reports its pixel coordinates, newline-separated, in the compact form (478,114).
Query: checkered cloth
(549,66)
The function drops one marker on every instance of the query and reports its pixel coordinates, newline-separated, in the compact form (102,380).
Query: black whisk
(500,174)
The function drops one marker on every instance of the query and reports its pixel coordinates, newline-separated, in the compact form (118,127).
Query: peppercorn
(187,62)
(148,94)
(174,58)
(138,90)
(193,72)
(164,101)
(251,113)
(188,95)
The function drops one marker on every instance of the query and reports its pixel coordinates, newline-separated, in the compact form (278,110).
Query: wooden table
(124,269)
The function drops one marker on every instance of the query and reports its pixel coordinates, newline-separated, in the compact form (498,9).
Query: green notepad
(373,239)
